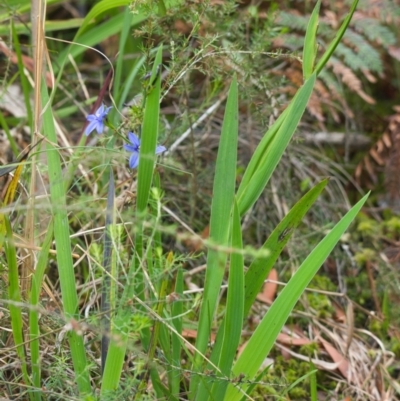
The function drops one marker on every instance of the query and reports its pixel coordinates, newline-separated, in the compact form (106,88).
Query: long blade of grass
(265,335)
(261,266)
(331,48)
(24,28)
(146,169)
(271,148)
(125,33)
(128,82)
(310,43)
(26,87)
(177,310)
(98,9)
(259,269)
(222,203)
(107,291)
(63,246)
(34,330)
(149,136)
(234,310)
(14,296)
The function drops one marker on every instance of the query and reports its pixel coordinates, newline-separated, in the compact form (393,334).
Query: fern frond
(349,57)
(369,56)
(374,31)
(294,21)
(350,79)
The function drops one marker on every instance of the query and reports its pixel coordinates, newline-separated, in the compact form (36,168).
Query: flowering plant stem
(135,279)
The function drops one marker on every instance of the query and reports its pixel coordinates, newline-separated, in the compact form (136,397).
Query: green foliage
(364,255)
(147,309)
(392,227)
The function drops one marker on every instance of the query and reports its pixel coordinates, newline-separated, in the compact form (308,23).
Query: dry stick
(206,114)
(38,18)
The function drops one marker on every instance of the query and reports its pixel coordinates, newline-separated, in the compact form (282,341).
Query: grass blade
(271,148)
(331,48)
(234,309)
(264,336)
(222,202)
(149,136)
(107,298)
(34,330)
(14,296)
(63,246)
(310,43)
(261,266)
(259,269)
(177,310)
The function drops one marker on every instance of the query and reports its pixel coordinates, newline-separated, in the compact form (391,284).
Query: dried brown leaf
(270,287)
(351,81)
(337,357)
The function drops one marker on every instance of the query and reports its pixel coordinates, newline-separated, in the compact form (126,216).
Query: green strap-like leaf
(222,202)
(271,148)
(331,48)
(267,331)
(234,310)
(310,43)
(259,269)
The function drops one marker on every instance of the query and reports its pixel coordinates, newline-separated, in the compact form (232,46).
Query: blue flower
(96,120)
(134,149)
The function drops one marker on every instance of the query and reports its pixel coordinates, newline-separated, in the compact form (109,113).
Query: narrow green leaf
(119,339)
(261,266)
(14,296)
(259,269)
(331,48)
(310,43)
(98,9)
(26,87)
(234,310)
(267,331)
(222,202)
(125,34)
(313,383)
(108,288)
(123,94)
(148,140)
(63,246)
(271,148)
(34,330)
(177,310)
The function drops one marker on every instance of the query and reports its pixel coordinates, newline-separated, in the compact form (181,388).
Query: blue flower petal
(134,140)
(134,160)
(100,112)
(160,149)
(100,127)
(96,120)
(131,148)
(91,126)
(134,147)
